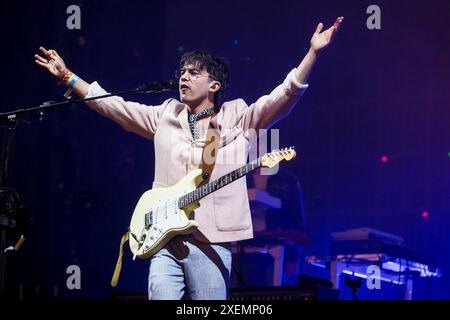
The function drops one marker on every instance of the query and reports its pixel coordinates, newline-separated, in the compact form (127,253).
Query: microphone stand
(9,200)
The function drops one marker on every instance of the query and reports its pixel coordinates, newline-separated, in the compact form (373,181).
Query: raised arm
(319,41)
(132,116)
(270,108)
(56,66)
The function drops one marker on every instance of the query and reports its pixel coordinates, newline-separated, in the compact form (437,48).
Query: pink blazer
(224,215)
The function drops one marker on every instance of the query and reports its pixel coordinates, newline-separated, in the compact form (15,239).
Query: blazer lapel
(183,120)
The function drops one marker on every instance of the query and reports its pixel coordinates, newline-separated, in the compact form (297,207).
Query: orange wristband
(67,75)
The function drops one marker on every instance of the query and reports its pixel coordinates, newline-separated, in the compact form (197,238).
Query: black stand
(354,284)
(6,222)
(12,215)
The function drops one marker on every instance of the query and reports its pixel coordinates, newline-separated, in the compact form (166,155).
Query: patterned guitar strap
(209,155)
(210,150)
(115,278)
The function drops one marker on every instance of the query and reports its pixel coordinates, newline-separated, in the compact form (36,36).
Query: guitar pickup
(149,219)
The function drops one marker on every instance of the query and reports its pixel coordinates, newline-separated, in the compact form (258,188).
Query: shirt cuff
(298,84)
(95,90)
(292,86)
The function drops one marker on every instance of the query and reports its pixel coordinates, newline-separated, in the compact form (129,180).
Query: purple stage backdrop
(372,131)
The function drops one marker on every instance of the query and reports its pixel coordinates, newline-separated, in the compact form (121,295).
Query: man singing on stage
(198,265)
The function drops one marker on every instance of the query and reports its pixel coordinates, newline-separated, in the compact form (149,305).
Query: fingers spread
(41,63)
(38,57)
(319,27)
(51,53)
(332,28)
(44,51)
(338,22)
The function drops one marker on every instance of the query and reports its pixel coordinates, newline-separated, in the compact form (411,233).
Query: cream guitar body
(159,208)
(163,213)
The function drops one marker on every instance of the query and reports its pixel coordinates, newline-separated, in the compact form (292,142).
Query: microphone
(170,85)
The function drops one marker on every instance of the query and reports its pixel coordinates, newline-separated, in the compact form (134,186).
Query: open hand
(320,39)
(53,62)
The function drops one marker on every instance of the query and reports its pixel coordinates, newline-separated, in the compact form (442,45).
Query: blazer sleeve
(270,108)
(132,116)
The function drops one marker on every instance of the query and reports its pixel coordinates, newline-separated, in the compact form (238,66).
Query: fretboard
(214,185)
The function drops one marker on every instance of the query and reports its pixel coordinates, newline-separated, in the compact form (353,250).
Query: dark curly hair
(216,66)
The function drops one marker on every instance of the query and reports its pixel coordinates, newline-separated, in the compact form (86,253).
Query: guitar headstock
(272,158)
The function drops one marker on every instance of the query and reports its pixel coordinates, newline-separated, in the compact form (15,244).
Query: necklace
(193,118)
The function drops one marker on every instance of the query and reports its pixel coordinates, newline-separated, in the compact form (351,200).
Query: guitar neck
(215,185)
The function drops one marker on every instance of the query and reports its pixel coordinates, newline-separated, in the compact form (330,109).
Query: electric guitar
(163,213)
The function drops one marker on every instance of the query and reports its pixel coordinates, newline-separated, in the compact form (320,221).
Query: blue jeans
(186,267)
